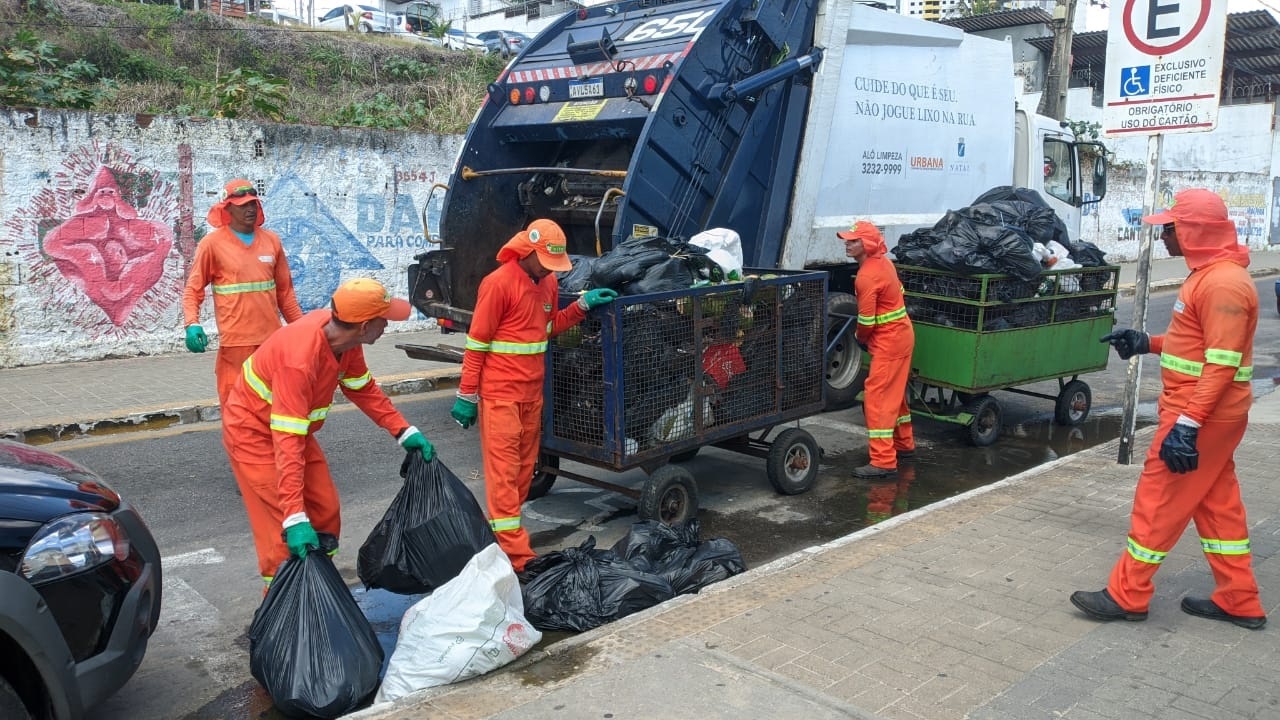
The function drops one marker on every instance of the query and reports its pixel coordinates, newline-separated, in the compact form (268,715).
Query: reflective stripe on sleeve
(357,383)
(506,524)
(1196,369)
(473,344)
(256,384)
(291,425)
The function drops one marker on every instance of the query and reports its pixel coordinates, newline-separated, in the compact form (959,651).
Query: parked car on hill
(462,40)
(506,43)
(418,17)
(368,19)
(79,587)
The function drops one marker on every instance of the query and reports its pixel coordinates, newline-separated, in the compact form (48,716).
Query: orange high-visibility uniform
(504,364)
(1206,359)
(269,424)
(883,326)
(251,289)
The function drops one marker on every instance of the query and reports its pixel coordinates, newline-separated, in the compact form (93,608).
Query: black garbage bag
(433,527)
(578,278)
(1087,254)
(629,261)
(675,553)
(310,645)
(582,588)
(1057,232)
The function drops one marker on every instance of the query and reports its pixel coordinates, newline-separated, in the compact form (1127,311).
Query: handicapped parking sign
(1137,81)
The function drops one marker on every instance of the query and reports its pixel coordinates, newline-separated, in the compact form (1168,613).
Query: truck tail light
(544,93)
(514,96)
(528,95)
(650,84)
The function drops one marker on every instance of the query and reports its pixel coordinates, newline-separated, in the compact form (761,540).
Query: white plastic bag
(724,247)
(469,626)
(676,423)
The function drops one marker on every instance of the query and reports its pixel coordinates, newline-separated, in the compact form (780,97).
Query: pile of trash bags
(581,588)
(1006,230)
(649,264)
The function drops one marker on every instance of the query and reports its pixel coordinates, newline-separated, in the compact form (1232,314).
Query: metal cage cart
(650,379)
(979,333)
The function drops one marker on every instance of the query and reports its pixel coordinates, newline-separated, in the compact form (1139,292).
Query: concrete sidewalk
(957,610)
(41,403)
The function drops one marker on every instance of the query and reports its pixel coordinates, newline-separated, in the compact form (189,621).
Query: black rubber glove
(1128,342)
(1178,451)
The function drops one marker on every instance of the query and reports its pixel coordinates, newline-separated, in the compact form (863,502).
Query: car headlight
(73,543)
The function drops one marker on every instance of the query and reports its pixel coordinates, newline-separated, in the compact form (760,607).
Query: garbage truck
(783,120)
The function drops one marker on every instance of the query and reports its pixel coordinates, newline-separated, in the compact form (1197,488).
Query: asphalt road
(197,665)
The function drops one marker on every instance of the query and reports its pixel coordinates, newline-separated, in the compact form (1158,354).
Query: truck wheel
(844,374)
(986,424)
(542,481)
(792,464)
(669,496)
(1073,404)
(11,705)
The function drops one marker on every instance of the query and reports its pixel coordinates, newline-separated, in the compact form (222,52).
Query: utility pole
(1053,101)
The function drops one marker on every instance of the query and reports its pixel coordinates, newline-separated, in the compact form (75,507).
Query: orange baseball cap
(543,237)
(361,299)
(238,192)
(1193,205)
(860,230)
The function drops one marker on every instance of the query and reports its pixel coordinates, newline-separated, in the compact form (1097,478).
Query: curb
(1128,289)
(205,410)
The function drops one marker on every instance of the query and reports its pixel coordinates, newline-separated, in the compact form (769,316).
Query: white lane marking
(207,556)
(192,625)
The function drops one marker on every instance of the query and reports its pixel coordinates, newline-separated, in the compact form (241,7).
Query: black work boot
(1100,606)
(1206,608)
(872,472)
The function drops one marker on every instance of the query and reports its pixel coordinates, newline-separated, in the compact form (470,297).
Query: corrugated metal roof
(1000,20)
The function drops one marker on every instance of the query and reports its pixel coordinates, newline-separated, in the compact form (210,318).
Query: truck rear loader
(784,120)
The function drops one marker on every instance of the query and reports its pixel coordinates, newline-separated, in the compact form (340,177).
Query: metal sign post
(1164,75)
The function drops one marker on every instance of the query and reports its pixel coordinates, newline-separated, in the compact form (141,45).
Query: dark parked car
(79,587)
(506,43)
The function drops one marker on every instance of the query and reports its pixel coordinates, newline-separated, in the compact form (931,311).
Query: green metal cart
(980,333)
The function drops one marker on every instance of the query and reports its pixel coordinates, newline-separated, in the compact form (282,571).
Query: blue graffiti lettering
(371,213)
(404,216)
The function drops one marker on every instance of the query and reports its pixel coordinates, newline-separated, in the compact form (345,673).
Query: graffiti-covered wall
(101,215)
(1237,160)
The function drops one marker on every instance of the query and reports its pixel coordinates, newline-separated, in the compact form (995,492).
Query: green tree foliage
(32,75)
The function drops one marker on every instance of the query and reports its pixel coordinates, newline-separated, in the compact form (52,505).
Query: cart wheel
(985,426)
(542,481)
(669,496)
(792,464)
(844,373)
(685,456)
(1073,404)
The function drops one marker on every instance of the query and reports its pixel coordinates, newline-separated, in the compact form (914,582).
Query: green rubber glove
(464,412)
(599,296)
(413,439)
(301,537)
(197,341)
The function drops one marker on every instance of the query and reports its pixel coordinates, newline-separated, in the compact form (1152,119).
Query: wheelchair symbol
(1135,81)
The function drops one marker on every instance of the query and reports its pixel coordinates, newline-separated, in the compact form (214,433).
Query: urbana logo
(921,162)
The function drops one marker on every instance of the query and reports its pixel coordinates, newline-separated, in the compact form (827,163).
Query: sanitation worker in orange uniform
(885,331)
(252,287)
(1206,364)
(280,402)
(503,368)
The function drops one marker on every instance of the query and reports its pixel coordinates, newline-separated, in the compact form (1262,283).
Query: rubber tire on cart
(843,371)
(11,705)
(985,427)
(685,456)
(669,496)
(543,481)
(792,464)
(1072,406)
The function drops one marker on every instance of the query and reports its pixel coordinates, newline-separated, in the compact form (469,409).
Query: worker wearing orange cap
(280,401)
(503,368)
(1206,359)
(252,287)
(885,331)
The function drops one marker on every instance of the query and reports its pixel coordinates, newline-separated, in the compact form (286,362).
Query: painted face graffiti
(114,256)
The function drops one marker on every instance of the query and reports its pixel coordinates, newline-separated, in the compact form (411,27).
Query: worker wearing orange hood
(252,286)
(503,368)
(885,331)
(1206,364)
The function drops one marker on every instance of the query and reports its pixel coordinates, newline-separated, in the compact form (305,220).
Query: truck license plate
(586,89)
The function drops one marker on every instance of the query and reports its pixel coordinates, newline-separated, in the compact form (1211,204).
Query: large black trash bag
(653,264)
(1057,232)
(1087,254)
(433,527)
(675,553)
(310,645)
(577,278)
(582,588)
(629,261)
